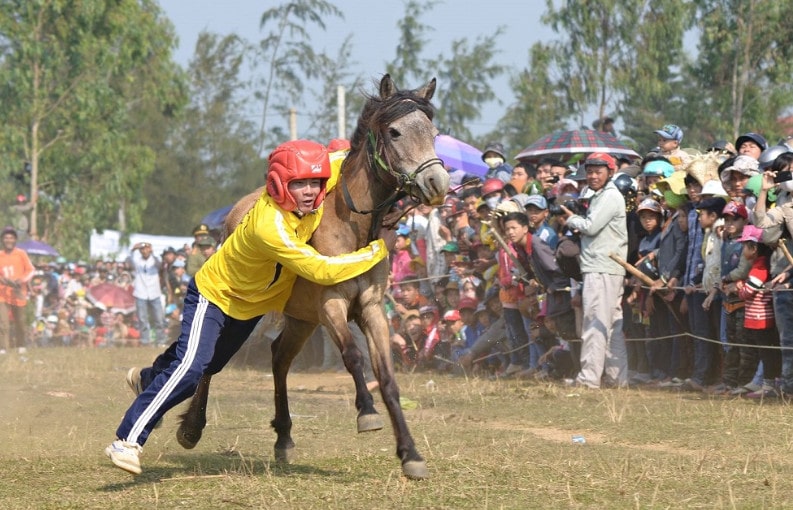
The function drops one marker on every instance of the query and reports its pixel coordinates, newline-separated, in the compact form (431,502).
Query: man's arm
(599,215)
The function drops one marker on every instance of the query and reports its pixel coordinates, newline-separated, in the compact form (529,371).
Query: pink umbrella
(110,295)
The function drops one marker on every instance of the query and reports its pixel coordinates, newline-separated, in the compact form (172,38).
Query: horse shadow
(211,465)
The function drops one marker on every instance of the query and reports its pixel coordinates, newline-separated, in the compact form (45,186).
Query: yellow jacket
(254,270)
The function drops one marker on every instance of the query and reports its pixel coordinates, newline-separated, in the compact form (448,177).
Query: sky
(374,25)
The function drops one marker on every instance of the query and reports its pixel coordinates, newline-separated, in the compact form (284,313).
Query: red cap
(601,159)
(467,303)
(451,315)
(735,209)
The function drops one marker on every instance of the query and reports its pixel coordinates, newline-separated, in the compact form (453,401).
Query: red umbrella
(579,141)
(110,295)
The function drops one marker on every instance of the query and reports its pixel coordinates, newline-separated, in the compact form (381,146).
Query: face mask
(492,202)
(493,162)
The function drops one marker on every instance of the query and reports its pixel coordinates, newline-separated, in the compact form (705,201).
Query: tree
(598,41)
(408,66)
(323,123)
(651,79)
(288,58)
(464,83)
(743,70)
(209,159)
(539,107)
(73,75)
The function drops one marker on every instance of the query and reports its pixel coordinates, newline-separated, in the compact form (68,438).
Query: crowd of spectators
(104,303)
(665,271)
(670,270)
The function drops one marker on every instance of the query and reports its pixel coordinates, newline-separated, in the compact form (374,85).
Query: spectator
(669,139)
(759,324)
(19,214)
(148,294)
(603,231)
(16,270)
(196,258)
(495,159)
(751,144)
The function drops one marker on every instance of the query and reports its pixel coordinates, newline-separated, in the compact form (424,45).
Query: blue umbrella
(460,155)
(214,220)
(33,247)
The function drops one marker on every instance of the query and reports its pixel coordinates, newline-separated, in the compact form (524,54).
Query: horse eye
(394,133)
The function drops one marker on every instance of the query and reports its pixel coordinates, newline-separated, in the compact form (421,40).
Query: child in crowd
(759,325)
(740,363)
(664,354)
(650,217)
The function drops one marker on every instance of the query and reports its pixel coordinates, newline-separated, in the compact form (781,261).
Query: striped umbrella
(579,141)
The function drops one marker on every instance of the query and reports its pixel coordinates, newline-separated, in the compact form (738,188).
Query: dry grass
(488,444)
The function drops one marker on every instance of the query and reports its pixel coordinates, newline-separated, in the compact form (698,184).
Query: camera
(573,205)
(783,176)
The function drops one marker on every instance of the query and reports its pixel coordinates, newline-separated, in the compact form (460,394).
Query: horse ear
(428,90)
(387,87)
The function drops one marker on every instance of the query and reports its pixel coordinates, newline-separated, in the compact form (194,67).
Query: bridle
(406,184)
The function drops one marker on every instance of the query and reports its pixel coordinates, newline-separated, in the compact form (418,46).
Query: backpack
(567,252)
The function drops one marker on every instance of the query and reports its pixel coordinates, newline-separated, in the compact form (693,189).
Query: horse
(392,157)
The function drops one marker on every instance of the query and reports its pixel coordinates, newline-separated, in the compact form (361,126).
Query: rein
(406,184)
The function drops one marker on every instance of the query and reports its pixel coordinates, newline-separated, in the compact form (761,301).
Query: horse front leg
(284,349)
(335,311)
(195,418)
(375,326)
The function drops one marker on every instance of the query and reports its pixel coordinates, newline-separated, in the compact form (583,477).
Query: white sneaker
(2,351)
(125,455)
(22,350)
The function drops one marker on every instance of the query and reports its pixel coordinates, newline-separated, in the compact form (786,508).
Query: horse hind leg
(284,349)
(194,419)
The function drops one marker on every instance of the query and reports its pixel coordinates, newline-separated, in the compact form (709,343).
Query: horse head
(397,131)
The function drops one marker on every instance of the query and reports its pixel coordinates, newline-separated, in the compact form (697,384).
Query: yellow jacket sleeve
(254,270)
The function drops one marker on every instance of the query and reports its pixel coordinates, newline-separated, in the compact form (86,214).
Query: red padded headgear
(491,185)
(298,159)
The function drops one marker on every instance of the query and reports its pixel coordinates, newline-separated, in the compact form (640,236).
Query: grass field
(488,444)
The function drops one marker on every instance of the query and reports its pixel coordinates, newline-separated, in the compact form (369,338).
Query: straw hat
(704,167)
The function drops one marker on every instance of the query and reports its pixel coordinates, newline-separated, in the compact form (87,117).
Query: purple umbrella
(576,142)
(460,155)
(33,247)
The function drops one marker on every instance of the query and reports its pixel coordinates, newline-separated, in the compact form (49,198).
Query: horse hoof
(285,455)
(415,470)
(187,440)
(370,422)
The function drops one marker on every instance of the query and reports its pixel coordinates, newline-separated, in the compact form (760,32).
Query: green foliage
(464,83)
(208,160)
(408,64)
(288,59)
(744,68)
(73,77)
(652,84)
(539,107)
